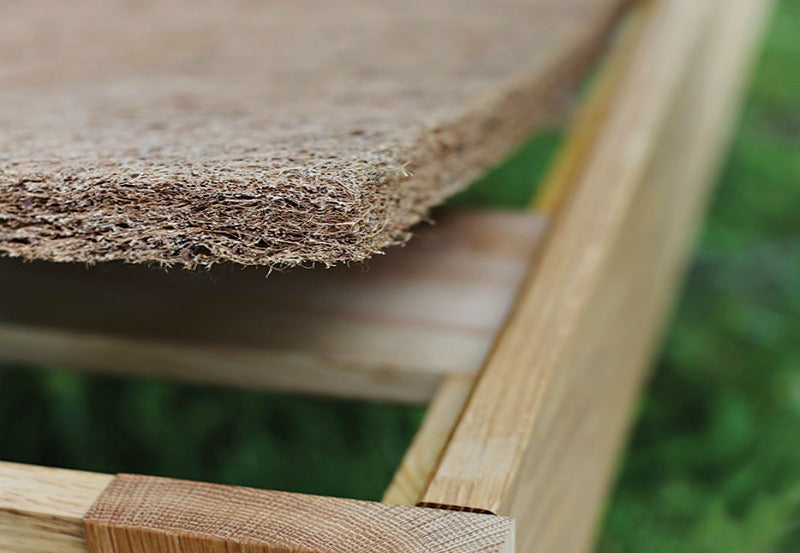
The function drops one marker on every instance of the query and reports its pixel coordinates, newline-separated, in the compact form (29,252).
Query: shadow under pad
(388,329)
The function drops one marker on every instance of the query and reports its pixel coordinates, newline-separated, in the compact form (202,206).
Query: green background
(714,460)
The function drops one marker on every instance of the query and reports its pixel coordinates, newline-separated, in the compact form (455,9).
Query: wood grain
(388,330)
(137,514)
(41,508)
(481,461)
(419,463)
(590,116)
(423,454)
(539,436)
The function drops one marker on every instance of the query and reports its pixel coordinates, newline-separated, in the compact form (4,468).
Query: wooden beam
(140,514)
(421,458)
(388,330)
(44,510)
(250,368)
(538,439)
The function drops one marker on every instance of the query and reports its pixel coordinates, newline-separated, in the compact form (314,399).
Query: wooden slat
(249,368)
(386,330)
(41,509)
(539,436)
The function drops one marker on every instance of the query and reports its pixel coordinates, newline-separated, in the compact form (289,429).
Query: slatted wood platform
(523,430)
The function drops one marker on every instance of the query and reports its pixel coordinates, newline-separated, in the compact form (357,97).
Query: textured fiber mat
(265,132)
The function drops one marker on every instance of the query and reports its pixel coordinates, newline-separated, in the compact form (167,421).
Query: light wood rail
(538,439)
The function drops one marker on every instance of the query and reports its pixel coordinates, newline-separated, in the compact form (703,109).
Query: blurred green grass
(714,461)
(323,446)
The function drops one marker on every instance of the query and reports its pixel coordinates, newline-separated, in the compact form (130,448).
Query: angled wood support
(481,461)
(422,457)
(538,438)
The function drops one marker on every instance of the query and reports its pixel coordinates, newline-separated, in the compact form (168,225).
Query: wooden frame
(532,437)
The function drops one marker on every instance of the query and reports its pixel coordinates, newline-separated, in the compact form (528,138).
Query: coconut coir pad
(264,132)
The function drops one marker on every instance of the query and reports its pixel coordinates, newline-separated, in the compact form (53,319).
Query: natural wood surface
(589,117)
(481,461)
(386,330)
(41,509)
(421,458)
(422,455)
(539,437)
(138,514)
